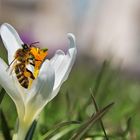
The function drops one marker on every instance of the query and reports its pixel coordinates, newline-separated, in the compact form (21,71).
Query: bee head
(25,46)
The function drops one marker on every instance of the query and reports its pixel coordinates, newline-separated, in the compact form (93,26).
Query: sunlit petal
(8,84)
(6,81)
(62,64)
(10,39)
(43,87)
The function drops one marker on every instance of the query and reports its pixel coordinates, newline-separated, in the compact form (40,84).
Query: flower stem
(22,131)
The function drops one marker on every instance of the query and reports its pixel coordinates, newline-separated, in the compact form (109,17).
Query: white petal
(8,84)
(6,81)
(62,64)
(42,89)
(10,39)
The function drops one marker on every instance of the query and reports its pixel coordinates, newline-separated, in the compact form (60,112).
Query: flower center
(39,56)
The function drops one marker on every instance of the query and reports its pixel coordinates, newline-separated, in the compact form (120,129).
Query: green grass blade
(2,93)
(60,135)
(55,130)
(99,77)
(98,82)
(85,127)
(31,131)
(128,126)
(97,109)
(4,126)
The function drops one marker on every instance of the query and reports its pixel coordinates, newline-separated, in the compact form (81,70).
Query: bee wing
(11,40)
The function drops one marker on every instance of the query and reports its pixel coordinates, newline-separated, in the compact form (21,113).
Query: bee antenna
(32,44)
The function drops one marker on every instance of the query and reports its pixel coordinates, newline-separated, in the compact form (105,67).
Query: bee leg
(11,64)
(12,68)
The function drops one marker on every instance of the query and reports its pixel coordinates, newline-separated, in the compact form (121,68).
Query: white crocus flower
(52,74)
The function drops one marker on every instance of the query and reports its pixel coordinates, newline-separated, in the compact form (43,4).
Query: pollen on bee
(39,54)
(39,57)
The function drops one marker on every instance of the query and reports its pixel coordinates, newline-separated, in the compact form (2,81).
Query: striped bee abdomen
(20,68)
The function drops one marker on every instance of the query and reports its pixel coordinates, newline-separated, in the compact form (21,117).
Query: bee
(28,54)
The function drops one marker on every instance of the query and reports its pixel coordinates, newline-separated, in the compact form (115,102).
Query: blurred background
(105,30)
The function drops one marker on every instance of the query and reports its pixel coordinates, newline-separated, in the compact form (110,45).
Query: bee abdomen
(23,80)
(25,83)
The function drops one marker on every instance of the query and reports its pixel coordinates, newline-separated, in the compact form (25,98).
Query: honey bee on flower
(28,55)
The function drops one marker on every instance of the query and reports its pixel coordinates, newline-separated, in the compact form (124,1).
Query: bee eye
(25,46)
